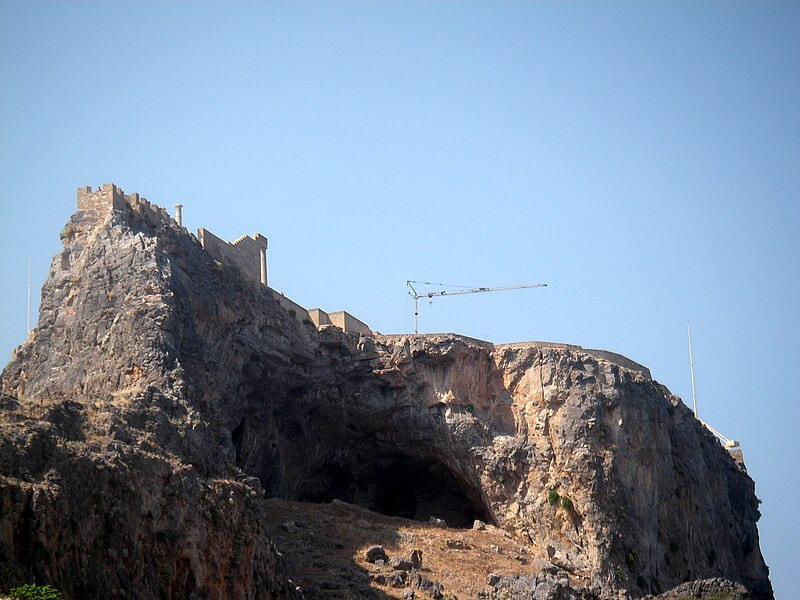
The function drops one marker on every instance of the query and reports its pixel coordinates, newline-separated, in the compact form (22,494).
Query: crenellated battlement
(107,197)
(248,253)
(143,207)
(94,206)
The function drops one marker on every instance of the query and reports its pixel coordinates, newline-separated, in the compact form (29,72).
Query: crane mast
(474,290)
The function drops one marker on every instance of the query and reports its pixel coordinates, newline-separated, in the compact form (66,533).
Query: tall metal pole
(415,295)
(28,322)
(691,369)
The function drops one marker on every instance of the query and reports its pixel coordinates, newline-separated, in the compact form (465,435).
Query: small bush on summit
(566,503)
(553,497)
(34,592)
(67,233)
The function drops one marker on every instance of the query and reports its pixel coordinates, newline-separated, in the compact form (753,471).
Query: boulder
(374,553)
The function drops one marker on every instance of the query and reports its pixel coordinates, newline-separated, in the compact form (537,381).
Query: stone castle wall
(341,319)
(293,308)
(247,253)
(348,323)
(95,206)
(319,317)
(244,252)
(248,250)
(611,357)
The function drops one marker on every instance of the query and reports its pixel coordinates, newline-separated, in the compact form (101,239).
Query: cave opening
(237,437)
(398,485)
(331,482)
(395,496)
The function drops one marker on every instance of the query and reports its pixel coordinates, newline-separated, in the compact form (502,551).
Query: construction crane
(475,290)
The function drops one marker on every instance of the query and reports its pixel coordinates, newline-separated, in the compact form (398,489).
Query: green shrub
(30,591)
(67,233)
(566,503)
(553,497)
(470,408)
(630,558)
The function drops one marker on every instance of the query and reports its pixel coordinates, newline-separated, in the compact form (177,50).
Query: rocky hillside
(164,398)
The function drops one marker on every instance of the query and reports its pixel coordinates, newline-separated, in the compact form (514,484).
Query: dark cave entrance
(330,483)
(399,486)
(237,437)
(394,496)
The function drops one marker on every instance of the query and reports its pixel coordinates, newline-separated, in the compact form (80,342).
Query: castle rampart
(348,323)
(94,206)
(611,357)
(247,253)
(292,307)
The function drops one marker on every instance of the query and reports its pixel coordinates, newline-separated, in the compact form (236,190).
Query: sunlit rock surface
(163,398)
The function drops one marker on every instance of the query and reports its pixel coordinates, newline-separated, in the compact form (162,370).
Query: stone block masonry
(319,317)
(292,307)
(248,253)
(341,319)
(348,323)
(94,206)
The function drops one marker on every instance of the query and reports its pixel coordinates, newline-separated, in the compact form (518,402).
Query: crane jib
(416,295)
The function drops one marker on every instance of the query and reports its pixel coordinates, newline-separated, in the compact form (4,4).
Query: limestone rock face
(162,396)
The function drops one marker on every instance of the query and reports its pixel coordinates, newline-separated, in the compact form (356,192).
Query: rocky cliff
(163,398)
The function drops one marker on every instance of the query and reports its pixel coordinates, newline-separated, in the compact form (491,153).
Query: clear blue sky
(643,159)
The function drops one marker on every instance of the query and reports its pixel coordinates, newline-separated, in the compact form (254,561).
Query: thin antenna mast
(691,368)
(730,445)
(28,322)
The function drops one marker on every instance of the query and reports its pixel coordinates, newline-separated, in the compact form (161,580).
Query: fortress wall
(211,243)
(618,359)
(611,357)
(348,323)
(319,317)
(244,253)
(150,212)
(300,313)
(95,206)
(439,336)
